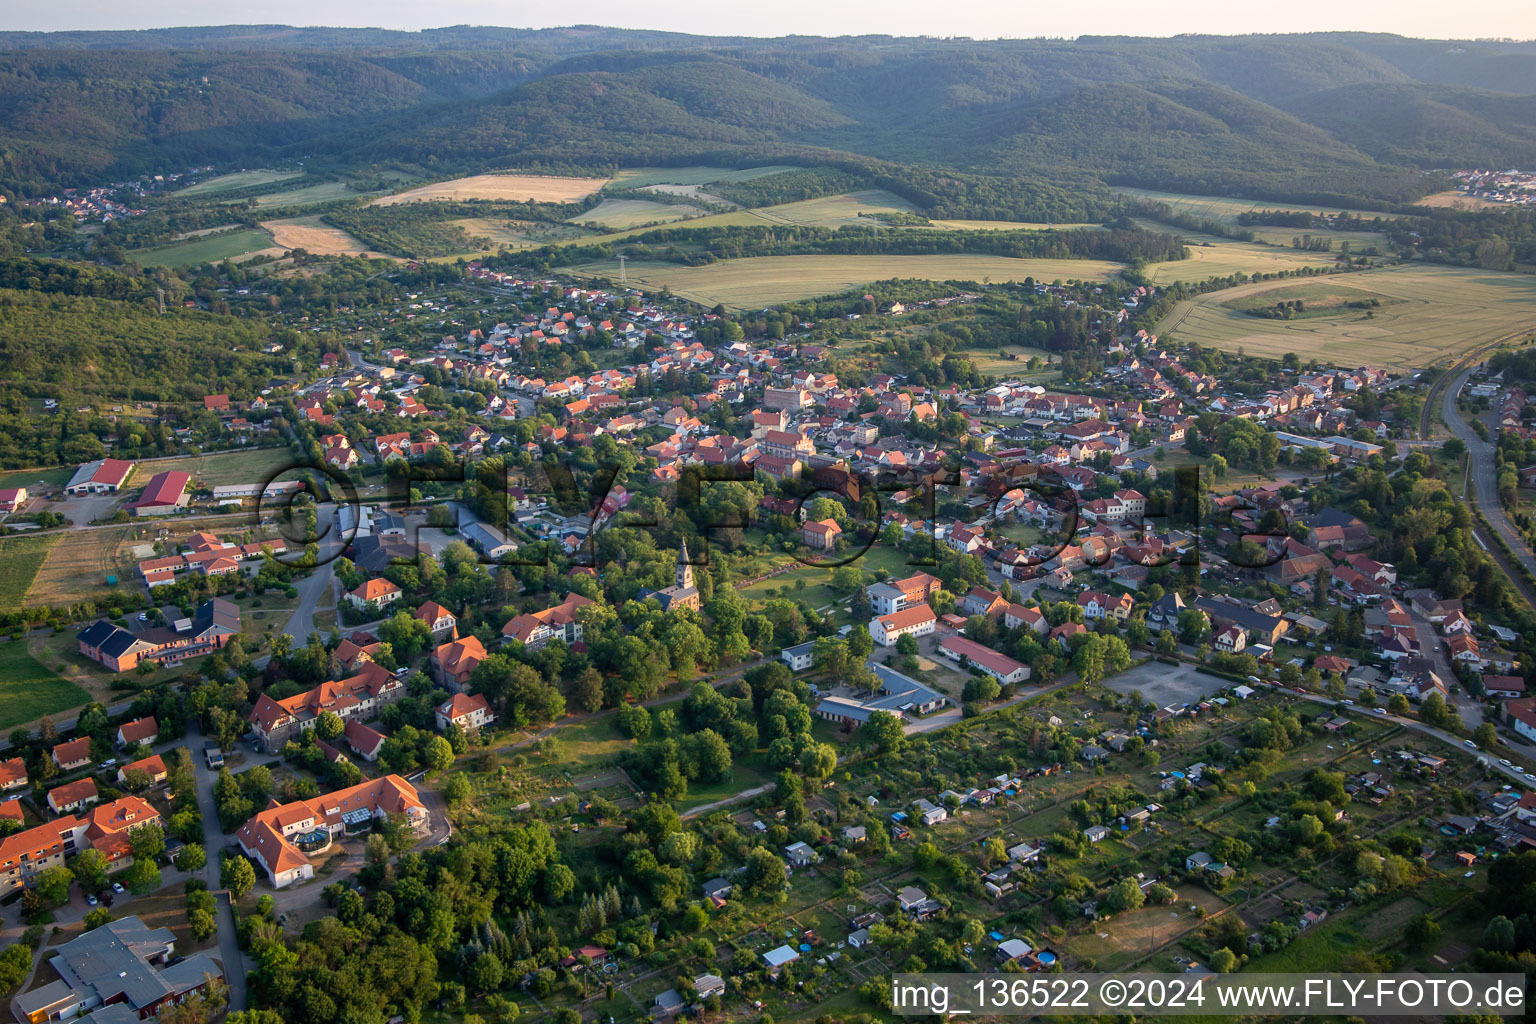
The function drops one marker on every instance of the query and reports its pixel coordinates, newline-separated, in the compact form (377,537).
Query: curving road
(1485,487)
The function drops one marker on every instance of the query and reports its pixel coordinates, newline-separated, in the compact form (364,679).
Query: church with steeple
(682,593)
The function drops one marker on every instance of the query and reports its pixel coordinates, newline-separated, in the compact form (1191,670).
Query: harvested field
(78,570)
(759,281)
(312,235)
(1218,257)
(1226,209)
(1455,200)
(515,187)
(1435,314)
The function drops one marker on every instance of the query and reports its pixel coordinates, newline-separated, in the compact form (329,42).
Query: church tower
(684,569)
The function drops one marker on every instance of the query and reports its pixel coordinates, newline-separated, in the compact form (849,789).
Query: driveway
(214,841)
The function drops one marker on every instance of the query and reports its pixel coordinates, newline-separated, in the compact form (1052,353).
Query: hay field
(759,281)
(1220,257)
(1435,313)
(77,569)
(641,177)
(513,187)
(204,249)
(622,214)
(315,236)
(240,179)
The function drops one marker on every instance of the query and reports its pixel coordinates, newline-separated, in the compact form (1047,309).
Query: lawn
(20,559)
(1435,314)
(28,690)
(759,281)
(240,179)
(204,249)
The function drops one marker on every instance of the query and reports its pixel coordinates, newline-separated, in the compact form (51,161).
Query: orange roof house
(452,663)
(271,838)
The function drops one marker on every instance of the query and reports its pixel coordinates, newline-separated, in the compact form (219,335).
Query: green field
(20,559)
(324,192)
(835,211)
(622,214)
(32,478)
(205,249)
(28,691)
(240,179)
(1429,314)
(1318,300)
(641,177)
(217,469)
(760,281)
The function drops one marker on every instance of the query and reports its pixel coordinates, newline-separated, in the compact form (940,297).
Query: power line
(623,277)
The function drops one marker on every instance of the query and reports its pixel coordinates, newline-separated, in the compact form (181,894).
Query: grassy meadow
(28,690)
(239,179)
(204,249)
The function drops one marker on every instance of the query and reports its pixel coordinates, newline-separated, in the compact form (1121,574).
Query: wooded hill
(1349,118)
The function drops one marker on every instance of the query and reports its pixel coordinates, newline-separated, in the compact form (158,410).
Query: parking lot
(1166,684)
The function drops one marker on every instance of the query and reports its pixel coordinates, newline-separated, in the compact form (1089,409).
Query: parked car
(117,887)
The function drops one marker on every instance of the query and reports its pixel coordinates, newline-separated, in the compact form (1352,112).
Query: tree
(143,876)
(1222,960)
(1125,894)
(52,885)
(457,790)
(202,923)
(1485,736)
(764,874)
(1397,704)
(90,869)
(1421,931)
(439,754)
(237,875)
(191,857)
(882,731)
(328,726)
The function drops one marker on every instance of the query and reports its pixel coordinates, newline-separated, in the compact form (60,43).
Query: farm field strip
(622,214)
(513,187)
(1436,314)
(239,179)
(208,248)
(20,559)
(315,236)
(322,193)
(758,281)
(642,177)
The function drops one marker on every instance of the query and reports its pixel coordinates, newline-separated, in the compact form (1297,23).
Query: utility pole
(623,277)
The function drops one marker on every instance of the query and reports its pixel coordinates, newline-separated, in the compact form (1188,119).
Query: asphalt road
(235,967)
(1485,484)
